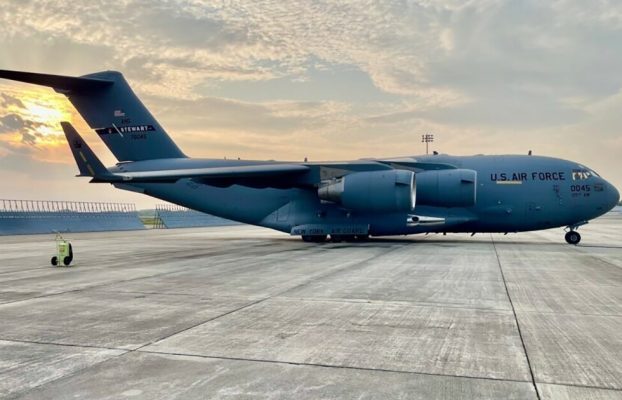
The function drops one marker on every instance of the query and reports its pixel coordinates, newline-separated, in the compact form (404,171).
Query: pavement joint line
(561,313)
(177,294)
(41,296)
(67,376)
(22,270)
(320,365)
(82,289)
(264,299)
(86,346)
(576,385)
(393,302)
(313,278)
(593,246)
(126,351)
(201,323)
(520,334)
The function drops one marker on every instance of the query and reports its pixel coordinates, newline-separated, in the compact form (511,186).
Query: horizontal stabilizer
(58,82)
(88,163)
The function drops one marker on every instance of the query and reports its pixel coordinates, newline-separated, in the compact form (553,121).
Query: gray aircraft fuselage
(513,193)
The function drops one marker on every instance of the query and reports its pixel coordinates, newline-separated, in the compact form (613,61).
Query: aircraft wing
(216,173)
(261,175)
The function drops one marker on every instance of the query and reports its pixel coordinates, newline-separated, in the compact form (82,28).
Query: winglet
(88,163)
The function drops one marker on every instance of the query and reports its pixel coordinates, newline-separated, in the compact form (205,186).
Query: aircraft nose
(612,196)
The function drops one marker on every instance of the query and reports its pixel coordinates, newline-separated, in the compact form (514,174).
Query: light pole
(427,138)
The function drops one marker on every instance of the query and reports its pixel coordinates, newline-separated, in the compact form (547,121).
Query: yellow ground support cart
(64,251)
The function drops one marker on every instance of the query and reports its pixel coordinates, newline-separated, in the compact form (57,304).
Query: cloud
(468,47)
(7,101)
(268,117)
(343,79)
(13,123)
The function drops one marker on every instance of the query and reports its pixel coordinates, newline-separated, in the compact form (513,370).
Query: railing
(174,216)
(63,206)
(46,216)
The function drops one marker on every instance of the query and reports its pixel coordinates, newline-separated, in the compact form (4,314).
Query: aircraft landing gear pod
(64,251)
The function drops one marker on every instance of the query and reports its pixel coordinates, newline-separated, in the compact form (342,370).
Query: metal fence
(173,216)
(46,216)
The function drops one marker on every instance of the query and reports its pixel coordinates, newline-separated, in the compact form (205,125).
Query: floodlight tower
(427,138)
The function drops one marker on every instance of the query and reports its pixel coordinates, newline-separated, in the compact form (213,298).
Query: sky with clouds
(325,80)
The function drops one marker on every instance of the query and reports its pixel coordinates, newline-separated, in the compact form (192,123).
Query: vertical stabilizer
(108,104)
(122,121)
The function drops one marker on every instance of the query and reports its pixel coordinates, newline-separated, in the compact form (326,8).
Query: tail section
(108,104)
(88,163)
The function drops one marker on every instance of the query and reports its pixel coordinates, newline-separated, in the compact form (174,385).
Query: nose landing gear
(572,237)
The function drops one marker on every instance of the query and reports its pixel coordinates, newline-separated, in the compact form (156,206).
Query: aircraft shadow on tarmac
(383,242)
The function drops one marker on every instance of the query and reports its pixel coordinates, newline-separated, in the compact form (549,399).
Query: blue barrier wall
(31,216)
(171,216)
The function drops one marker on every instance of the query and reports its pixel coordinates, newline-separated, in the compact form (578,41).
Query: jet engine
(372,191)
(447,188)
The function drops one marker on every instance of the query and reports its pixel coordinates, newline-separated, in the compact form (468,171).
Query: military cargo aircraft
(316,200)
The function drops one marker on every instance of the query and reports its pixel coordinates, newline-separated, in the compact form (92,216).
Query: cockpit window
(581,174)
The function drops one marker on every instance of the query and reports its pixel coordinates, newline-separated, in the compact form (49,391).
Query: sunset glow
(256,81)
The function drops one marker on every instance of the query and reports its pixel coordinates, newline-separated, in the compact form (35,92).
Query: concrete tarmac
(244,312)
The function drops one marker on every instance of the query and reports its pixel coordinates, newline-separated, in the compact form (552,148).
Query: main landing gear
(335,238)
(314,238)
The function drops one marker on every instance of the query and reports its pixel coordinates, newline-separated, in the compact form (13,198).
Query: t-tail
(110,107)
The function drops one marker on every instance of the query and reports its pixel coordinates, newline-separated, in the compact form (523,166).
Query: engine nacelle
(373,191)
(447,188)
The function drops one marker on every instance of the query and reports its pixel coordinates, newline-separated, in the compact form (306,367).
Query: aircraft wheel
(362,238)
(572,237)
(54,261)
(314,238)
(342,238)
